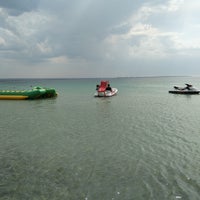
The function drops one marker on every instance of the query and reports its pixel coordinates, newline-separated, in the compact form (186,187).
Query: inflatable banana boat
(35,93)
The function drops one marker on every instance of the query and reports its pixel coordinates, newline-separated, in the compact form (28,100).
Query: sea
(142,144)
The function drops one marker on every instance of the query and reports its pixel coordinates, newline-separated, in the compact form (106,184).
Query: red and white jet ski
(104,90)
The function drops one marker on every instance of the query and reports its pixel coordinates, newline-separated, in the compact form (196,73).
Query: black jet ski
(188,89)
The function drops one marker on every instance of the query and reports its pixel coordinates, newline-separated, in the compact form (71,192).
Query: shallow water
(143,143)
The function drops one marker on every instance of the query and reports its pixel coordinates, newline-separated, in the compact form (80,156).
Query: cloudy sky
(99,38)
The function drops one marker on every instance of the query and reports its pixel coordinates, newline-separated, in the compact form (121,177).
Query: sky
(99,38)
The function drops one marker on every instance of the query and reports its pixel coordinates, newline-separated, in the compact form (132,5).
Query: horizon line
(96,77)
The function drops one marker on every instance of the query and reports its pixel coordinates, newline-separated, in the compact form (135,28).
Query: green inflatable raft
(35,93)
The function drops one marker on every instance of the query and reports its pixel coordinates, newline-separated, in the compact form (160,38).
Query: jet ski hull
(183,92)
(106,93)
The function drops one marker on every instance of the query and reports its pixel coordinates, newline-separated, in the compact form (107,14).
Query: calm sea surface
(143,144)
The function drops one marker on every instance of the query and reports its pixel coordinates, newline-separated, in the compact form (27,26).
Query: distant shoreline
(73,78)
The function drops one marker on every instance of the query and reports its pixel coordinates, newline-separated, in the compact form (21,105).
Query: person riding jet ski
(188,87)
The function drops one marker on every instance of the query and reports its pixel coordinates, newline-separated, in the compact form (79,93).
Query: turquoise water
(143,143)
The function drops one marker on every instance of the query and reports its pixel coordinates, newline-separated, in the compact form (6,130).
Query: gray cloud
(90,37)
(19,6)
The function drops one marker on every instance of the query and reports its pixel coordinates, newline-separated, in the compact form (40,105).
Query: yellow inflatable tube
(13,97)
